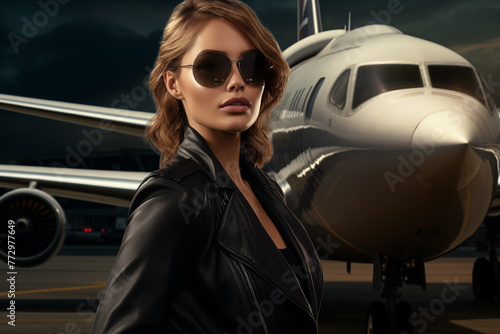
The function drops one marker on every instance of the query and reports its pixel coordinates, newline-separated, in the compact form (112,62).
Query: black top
(295,265)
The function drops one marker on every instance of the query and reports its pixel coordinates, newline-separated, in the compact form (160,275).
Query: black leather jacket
(196,259)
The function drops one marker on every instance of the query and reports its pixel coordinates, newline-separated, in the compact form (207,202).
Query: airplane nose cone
(443,147)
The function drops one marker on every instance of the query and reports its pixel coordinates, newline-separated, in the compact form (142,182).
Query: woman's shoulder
(181,170)
(175,182)
(177,169)
(169,189)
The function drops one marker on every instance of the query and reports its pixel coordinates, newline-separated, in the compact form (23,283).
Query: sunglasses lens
(253,68)
(211,69)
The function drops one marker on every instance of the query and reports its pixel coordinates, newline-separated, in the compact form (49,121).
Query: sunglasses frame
(215,84)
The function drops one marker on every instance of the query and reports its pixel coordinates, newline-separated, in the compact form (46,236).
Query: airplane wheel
(403,314)
(376,319)
(482,280)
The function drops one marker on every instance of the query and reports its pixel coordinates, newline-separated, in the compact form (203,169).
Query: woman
(210,246)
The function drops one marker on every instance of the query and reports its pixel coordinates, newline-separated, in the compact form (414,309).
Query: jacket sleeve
(156,254)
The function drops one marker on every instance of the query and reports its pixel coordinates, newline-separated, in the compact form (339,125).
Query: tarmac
(61,295)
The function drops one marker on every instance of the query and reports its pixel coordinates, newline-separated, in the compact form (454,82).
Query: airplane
(386,147)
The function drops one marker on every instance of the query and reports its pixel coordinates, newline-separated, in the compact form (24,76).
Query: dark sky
(93,52)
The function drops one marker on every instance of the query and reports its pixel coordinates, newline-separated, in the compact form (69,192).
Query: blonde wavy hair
(166,129)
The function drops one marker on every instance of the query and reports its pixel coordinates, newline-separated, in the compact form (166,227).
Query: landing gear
(486,272)
(396,317)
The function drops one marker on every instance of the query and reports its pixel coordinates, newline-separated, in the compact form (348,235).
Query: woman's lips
(236,105)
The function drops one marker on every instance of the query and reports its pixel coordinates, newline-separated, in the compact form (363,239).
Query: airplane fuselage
(385,145)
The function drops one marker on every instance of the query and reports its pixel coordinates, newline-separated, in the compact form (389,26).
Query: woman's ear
(170,79)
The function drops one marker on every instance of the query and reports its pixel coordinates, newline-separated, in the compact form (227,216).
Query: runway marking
(82,287)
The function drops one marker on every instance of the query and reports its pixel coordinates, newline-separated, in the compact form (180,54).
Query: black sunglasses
(211,69)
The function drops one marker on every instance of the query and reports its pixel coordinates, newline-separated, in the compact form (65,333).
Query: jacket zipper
(254,296)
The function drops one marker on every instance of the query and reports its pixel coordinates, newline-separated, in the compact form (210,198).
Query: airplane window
(458,78)
(339,90)
(373,80)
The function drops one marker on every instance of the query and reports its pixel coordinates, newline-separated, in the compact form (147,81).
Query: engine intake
(40,226)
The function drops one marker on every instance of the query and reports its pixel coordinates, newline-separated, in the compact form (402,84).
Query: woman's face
(215,109)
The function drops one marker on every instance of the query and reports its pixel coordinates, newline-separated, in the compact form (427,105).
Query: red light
(90,230)
(85,229)
(102,230)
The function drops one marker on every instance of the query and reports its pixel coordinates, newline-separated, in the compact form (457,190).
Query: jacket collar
(195,147)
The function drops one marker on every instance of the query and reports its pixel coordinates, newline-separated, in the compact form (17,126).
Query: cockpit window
(373,80)
(339,90)
(458,78)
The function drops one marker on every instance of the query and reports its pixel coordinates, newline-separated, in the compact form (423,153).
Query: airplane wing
(35,212)
(101,186)
(109,187)
(118,120)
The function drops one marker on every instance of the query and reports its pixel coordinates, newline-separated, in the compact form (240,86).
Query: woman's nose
(235,80)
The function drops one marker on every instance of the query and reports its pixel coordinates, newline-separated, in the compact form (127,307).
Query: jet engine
(32,227)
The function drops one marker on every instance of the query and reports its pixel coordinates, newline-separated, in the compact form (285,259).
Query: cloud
(493,43)
(485,56)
